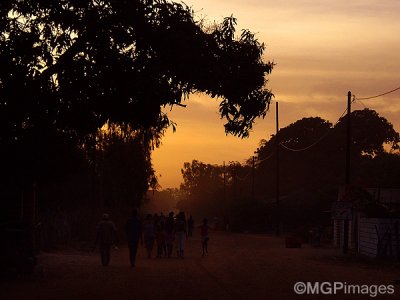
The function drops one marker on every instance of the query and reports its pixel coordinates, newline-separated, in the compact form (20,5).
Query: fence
(379,237)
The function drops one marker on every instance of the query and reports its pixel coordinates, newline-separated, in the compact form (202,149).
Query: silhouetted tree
(320,159)
(68,67)
(369,131)
(380,171)
(206,193)
(202,189)
(298,169)
(73,65)
(123,167)
(164,201)
(310,177)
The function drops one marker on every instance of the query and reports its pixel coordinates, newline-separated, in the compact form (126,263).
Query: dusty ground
(238,266)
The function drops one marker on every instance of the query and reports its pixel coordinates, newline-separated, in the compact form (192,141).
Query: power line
(259,161)
(329,130)
(317,141)
(362,103)
(376,96)
(305,148)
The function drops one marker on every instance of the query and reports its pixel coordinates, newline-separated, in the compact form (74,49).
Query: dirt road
(237,266)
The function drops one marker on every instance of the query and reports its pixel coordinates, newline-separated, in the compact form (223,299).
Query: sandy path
(237,267)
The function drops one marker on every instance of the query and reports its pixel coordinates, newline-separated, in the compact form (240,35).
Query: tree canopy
(123,168)
(202,188)
(67,67)
(313,150)
(370,133)
(76,64)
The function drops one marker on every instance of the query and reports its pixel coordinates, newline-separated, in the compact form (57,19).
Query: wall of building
(378,237)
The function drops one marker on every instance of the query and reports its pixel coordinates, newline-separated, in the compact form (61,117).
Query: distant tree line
(312,168)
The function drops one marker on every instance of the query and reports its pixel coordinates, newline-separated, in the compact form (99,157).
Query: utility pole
(277,171)
(253,195)
(224,204)
(34,214)
(94,161)
(34,204)
(234,171)
(22,206)
(345,245)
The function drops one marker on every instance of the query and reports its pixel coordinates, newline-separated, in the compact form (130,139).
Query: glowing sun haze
(322,49)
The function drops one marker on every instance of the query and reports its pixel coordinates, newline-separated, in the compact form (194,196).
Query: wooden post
(22,206)
(253,195)
(277,172)
(345,245)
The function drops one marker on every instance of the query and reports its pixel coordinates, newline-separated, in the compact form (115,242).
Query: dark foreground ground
(238,266)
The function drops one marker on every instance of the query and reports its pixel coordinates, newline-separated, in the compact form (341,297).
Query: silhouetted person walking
(106,236)
(134,234)
(204,236)
(180,234)
(190,223)
(169,233)
(149,234)
(160,239)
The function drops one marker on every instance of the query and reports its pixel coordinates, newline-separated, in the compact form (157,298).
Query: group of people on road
(160,230)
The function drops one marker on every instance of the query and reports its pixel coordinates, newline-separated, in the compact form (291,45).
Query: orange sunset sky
(322,50)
